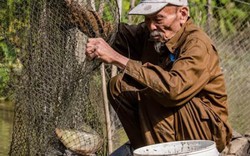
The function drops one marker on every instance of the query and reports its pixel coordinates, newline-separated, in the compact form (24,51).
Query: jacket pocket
(198,103)
(218,129)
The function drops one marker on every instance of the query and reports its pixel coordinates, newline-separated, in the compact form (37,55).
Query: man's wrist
(121,61)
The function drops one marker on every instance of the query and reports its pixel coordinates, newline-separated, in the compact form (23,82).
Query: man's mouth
(155,37)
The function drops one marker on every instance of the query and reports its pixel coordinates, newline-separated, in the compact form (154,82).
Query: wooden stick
(106,109)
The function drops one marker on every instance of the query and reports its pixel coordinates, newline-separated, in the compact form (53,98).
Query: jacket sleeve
(187,77)
(128,37)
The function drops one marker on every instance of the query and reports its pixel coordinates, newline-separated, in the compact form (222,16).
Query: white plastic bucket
(179,148)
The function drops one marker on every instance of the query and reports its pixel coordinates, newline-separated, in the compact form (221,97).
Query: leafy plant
(12,28)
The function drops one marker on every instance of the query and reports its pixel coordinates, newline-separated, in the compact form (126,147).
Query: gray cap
(147,7)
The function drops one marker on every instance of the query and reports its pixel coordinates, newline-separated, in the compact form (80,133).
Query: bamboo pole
(105,97)
(209,15)
(132,5)
(106,109)
(114,68)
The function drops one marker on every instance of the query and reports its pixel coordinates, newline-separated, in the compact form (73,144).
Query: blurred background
(45,81)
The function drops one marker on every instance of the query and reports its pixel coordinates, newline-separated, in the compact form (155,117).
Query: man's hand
(68,2)
(100,49)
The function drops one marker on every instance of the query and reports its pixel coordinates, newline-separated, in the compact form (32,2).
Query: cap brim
(147,8)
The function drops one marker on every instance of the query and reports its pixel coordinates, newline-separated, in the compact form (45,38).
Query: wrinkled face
(164,24)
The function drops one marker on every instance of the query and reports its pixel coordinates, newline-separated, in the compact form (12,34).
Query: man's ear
(184,14)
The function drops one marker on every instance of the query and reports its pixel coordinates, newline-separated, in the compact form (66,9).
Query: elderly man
(171,86)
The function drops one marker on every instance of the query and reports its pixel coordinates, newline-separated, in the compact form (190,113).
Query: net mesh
(56,106)
(228,24)
(58,93)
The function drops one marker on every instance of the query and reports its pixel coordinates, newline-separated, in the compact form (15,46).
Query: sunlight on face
(164,24)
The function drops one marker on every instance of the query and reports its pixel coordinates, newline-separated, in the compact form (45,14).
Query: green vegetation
(128,18)
(227,15)
(14,20)
(224,14)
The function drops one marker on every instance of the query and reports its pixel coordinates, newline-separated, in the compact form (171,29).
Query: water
(6,123)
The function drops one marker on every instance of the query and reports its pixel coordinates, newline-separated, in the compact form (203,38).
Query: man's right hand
(100,49)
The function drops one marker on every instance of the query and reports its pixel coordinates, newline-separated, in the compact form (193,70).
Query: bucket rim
(211,146)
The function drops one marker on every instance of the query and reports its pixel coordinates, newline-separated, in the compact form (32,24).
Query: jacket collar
(178,39)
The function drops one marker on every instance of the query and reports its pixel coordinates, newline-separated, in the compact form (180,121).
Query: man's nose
(152,26)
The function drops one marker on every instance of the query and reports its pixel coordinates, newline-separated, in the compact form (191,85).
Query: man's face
(164,24)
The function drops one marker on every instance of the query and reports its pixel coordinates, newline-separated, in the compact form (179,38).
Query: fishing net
(58,93)
(58,98)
